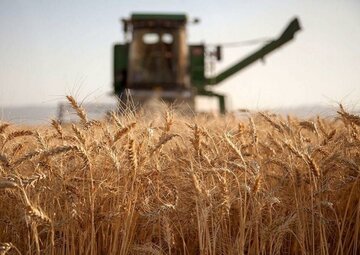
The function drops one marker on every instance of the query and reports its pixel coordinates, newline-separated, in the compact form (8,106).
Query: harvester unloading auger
(156,60)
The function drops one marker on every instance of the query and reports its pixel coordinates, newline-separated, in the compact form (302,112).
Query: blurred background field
(51,49)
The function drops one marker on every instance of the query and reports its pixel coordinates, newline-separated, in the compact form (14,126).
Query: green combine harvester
(156,61)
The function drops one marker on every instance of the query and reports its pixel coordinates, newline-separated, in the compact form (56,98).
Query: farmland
(173,184)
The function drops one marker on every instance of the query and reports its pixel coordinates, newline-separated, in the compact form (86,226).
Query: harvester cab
(155,61)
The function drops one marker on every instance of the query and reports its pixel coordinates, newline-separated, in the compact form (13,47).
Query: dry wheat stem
(79,110)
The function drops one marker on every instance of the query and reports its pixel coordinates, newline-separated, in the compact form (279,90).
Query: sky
(49,49)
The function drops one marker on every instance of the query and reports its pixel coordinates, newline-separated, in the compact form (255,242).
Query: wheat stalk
(3,127)
(79,135)
(123,131)
(349,117)
(131,152)
(79,110)
(6,184)
(163,139)
(57,126)
(273,123)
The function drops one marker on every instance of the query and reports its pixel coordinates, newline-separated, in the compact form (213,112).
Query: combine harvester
(156,61)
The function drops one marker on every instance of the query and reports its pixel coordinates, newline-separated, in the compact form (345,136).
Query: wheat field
(172,184)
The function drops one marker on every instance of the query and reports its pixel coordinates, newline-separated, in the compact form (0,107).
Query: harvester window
(151,38)
(156,56)
(167,38)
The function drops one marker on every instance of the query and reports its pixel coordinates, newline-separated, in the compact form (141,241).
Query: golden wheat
(181,185)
